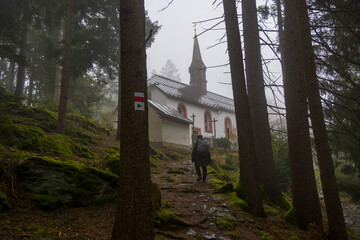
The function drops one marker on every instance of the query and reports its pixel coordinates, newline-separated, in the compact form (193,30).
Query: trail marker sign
(139,101)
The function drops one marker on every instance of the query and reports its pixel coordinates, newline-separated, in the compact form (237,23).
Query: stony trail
(196,204)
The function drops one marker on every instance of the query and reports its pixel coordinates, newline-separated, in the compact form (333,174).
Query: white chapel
(178,111)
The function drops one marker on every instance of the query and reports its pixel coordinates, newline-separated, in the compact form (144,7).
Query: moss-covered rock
(225,222)
(32,138)
(24,137)
(168,220)
(46,202)
(72,183)
(83,151)
(4,203)
(237,201)
(62,145)
(226,188)
(113,162)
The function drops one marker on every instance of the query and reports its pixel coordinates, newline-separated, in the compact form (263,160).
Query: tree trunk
(118,132)
(134,219)
(249,183)
(31,84)
(58,68)
(20,80)
(10,82)
(305,196)
(60,126)
(336,223)
(257,101)
(280,23)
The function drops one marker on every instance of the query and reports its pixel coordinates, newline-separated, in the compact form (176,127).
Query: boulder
(54,183)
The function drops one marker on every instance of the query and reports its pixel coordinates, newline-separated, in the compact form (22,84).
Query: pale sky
(175,41)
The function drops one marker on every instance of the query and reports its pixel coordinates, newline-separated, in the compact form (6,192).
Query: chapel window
(228,127)
(181,108)
(207,121)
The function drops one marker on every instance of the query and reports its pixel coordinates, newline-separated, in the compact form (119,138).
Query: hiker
(201,157)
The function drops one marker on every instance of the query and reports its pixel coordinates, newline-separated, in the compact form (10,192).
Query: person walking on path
(201,157)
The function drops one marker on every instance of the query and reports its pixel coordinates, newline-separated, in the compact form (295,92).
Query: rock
(212,211)
(225,221)
(168,220)
(223,238)
(349,221)
(210,236)
(226,188)
(191,233)
(55,183)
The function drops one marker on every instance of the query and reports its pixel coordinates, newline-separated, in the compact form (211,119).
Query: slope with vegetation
(64,187)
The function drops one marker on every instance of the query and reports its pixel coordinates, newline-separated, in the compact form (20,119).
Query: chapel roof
(185,92)
(169,112)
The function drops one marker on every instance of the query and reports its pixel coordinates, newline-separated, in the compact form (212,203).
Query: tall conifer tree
(134,219)
(305,196)
(249,187)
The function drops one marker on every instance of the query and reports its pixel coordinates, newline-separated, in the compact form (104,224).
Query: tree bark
(118,132)
(336,223)
(60,126)
(20,79)
(10,82)
(134,219)
(249,182)
(305,196)
(257,101)
(31,84)
(58,68)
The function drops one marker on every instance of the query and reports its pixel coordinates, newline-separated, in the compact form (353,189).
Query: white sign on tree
(139,101)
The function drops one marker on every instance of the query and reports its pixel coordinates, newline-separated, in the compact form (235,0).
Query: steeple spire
(197,68)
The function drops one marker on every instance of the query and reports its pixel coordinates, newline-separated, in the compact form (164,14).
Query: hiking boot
(199,178)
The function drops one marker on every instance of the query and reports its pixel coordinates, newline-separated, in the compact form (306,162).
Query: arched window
(181,108)
(228,126)
(207,121)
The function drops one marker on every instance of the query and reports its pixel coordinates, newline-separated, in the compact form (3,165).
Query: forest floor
(193,202)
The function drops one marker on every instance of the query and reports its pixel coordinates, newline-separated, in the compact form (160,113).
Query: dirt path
(196,204)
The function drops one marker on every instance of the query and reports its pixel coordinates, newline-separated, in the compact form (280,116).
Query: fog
(175,40)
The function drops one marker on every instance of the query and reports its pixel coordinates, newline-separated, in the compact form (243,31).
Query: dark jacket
(200,160)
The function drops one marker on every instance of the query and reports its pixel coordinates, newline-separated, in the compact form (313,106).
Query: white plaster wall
(200,120)
(158,96)
(155,123)
(175,132)
(220,124)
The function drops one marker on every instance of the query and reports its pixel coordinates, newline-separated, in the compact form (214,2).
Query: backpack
(203,147)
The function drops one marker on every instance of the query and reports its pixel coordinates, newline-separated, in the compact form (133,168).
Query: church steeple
(197,69)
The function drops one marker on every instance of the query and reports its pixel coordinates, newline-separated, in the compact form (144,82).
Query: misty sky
(175,41)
